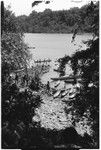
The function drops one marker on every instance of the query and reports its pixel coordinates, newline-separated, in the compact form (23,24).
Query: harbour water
(53,46)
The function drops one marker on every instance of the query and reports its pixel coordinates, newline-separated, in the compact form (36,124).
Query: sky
(24,7)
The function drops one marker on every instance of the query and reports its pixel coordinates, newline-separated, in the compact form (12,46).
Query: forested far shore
(62,21)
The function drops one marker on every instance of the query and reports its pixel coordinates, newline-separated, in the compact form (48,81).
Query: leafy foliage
(86,64)
(14,56)
(9,21)
(14,51)
(87,61)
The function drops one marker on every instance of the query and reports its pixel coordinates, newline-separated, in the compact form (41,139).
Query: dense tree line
(62,21)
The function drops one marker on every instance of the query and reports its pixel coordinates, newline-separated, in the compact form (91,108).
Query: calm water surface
(53,46)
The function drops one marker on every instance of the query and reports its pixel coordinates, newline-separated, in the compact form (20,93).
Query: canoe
(72,95)
(71,91)
(56,70)
(64,93)
(63,78)
(57,84)
(69,81)
(57,94)
(31,47)
(20,70)
(67,77)
(44,61)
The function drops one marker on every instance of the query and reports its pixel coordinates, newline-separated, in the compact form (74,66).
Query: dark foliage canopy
(64,21)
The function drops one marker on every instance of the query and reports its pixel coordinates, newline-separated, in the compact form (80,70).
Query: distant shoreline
(57,33)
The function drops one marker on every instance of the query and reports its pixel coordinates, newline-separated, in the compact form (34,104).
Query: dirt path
(56,114)
(51,114)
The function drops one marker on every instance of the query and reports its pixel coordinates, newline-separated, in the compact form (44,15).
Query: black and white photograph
(50,74)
